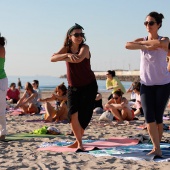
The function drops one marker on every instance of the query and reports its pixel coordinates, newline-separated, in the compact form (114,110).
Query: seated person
(137,107)
(112,82)
(130,90)
(28,102)
(98,106)
(13,94)
(60,111)
(119,107)
(35,85)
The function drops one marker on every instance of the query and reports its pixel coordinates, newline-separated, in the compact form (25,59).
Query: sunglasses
(150,23)
(115,98)
(78,34)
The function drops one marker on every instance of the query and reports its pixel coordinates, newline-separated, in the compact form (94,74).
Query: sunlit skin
(119,103)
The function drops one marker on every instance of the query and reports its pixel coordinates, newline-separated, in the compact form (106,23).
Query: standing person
(155,78)
(3,89)
(82,87)
(19,84)
(112,82)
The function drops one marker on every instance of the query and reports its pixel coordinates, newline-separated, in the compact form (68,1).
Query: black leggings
(154,100)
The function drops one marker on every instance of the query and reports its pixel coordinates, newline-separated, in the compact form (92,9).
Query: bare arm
(163,43)
(135,45)
(98,96)
(61,98)
(30,98)
(48,99)
(60,55)
(77,58)
(20,101)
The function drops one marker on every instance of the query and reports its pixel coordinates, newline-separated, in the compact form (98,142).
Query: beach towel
(135,152)
(100,144)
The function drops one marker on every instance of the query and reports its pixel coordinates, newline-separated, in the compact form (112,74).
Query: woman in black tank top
(82,88)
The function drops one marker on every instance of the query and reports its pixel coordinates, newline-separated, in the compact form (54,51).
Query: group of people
(82,86)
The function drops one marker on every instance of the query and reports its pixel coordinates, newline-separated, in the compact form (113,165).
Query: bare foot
(157,152)
(74,145)
(80,147)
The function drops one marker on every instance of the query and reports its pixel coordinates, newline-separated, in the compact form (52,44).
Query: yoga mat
(42,121)
(15,113)
(21,136)
(111,142)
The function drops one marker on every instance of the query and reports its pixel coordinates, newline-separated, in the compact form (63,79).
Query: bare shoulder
(63,50)
(85,46)
(124,99)
(2,51)
(165,38)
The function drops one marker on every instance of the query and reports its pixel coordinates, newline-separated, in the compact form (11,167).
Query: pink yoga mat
(111,142)
(15,113)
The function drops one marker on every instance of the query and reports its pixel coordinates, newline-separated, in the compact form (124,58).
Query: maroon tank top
(79,74)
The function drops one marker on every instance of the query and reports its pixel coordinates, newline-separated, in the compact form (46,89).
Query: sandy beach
(23,154)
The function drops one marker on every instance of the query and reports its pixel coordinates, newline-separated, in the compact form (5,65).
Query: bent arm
(77,58)
(60,55)
(135,45)
(29,99)
(163,43)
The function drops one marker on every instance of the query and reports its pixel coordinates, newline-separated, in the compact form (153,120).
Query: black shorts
(82,100)
(154,100)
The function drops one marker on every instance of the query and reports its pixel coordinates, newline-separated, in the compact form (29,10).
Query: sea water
(48,83)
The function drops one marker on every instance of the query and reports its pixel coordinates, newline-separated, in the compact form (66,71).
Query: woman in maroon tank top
(82,87)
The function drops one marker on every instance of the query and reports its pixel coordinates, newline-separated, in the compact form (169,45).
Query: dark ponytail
(2,41)
(158,17)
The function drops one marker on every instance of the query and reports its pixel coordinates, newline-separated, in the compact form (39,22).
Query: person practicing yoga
(120,107)
(155,78)
(82,85)
(60,111)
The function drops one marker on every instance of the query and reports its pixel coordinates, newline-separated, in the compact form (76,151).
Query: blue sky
(35,29)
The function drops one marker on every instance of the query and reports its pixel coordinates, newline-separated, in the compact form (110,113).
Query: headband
(76,26)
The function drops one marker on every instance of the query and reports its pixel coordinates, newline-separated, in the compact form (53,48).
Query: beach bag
(98,110)
(106,116)
(53,131)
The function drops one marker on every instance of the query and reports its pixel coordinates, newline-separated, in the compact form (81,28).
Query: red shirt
(13,94)
(79,74)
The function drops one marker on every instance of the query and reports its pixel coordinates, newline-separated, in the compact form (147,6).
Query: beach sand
(23,154)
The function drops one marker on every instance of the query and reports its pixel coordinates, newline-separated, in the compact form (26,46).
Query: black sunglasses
(115,98)
(78,34)
(150,23)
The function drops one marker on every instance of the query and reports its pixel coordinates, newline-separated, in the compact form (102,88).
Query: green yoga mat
(21,136)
